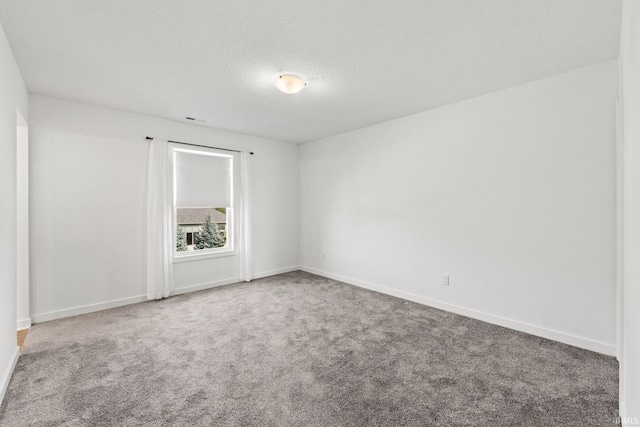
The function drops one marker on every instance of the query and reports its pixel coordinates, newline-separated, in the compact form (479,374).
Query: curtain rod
(203,146)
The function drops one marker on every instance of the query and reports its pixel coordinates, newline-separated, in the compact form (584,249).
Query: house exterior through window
(190,220)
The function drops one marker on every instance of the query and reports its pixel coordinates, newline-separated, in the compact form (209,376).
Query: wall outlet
(324,256)
(445,280)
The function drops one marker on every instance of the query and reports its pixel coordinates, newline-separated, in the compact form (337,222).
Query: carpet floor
(300,350)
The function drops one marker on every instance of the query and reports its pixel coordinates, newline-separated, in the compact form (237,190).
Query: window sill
(201,256)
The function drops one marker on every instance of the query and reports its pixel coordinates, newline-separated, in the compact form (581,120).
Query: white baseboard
(275,272)
(90,308)
(209,285)
(203,286)
(6,377)
(24,324)
(574,340)
(229,281)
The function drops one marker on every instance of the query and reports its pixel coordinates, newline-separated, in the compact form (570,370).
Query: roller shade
(203,180)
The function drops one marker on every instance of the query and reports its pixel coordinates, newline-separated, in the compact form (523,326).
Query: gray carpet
(300,350)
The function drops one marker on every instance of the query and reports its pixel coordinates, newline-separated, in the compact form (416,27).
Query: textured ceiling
(366,61)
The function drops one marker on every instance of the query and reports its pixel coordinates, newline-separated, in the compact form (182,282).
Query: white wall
(88,172)
(630,283)
(13,99)
(513,194)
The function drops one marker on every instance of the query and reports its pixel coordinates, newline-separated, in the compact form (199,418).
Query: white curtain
(244,219)
(160,232)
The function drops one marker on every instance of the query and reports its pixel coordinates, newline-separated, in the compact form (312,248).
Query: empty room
(329,213)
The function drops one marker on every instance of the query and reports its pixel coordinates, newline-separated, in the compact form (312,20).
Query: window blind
(203,180)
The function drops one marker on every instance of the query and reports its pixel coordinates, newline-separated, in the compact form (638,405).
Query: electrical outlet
(324,256)
(445,280)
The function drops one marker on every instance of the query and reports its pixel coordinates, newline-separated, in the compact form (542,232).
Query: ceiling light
(288,83)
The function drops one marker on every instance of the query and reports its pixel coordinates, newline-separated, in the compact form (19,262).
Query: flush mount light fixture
(289,83)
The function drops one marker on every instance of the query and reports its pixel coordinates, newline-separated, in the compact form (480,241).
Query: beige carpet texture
(300,350)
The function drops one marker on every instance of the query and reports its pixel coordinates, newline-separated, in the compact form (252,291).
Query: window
(203,202)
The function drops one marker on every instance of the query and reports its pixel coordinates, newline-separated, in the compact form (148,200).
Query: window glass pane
(201,228)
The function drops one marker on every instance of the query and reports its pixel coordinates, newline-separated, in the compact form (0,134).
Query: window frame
(230,248)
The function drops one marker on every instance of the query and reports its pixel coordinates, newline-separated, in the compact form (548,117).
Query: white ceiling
(366,61)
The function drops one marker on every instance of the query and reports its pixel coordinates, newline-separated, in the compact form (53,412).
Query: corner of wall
(6,377)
